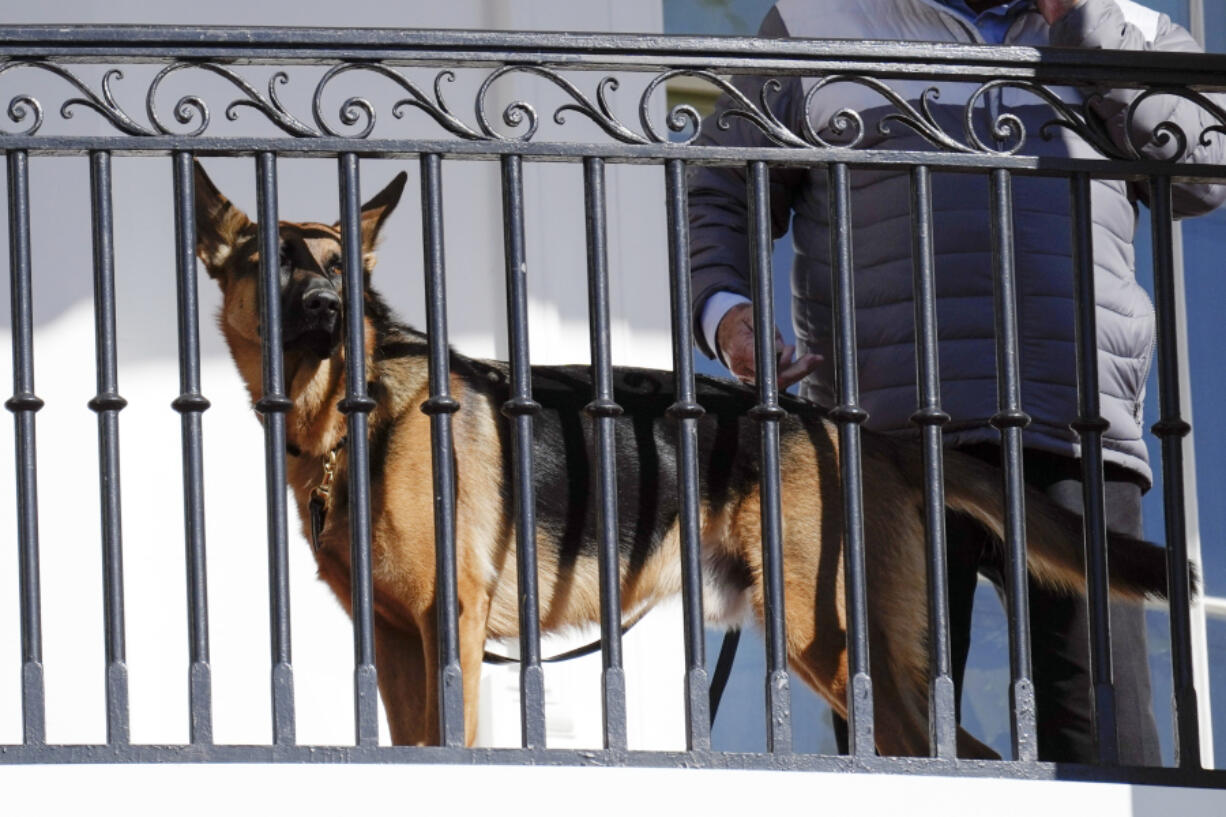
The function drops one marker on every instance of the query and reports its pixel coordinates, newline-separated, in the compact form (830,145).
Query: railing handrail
(1045,74)
(136,43)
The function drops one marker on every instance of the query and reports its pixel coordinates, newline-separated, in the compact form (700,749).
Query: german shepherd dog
(401,491)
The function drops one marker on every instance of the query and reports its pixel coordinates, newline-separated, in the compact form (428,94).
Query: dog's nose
(321,303)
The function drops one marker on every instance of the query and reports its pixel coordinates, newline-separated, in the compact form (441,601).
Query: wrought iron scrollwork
(519,112)
(356,109)
(192,106)
(22,106)
(740,107)
(1166,131)
(1080,120)
(846,120)
(103,104)
(845,128)
(680,117)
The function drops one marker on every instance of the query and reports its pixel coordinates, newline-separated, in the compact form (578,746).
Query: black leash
(723,669)
(577,652)
(719,681)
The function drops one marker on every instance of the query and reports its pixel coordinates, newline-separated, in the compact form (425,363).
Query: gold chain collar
(321,495)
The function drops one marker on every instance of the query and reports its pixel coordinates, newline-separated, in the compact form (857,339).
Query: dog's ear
(375,213)
(219,224)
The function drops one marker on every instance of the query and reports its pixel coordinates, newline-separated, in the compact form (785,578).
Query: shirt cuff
(713,311)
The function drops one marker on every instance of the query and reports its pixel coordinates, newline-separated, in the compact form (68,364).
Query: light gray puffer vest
(881,220)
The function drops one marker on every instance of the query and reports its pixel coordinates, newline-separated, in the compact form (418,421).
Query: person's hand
(1053,11)
(734,336)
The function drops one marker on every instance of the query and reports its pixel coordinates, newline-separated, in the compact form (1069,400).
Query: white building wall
(152,507)
(552,791)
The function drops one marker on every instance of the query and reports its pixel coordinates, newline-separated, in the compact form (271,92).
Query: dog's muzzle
(315,321)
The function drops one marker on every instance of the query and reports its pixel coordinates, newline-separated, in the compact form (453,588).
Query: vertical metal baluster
(942,719)
(1171,428)
(440,406)
(768,413)
(191,404)
(273,405)
(603,410)
(107,403)
(1091,425)
(686,411)
(25,404)
(521,408)
(849,415)
(357,405)
(1010,419)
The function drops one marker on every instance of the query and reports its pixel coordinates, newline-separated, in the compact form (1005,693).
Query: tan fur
(403,554)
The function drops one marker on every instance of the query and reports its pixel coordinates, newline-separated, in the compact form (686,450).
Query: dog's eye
(334,265)
(286,264)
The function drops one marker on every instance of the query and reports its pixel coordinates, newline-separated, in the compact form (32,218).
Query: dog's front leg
(407,666)
(404,681)
(474,621)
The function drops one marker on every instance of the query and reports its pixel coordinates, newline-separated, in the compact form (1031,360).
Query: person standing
(880,203)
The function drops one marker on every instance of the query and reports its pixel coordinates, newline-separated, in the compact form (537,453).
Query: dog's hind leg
(818,655)
(901,710)
(896,552)
(970,746)
(400,660)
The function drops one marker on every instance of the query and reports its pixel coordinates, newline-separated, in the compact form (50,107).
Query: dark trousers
(1059,624)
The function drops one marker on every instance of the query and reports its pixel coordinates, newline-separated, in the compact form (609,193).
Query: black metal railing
(584,73)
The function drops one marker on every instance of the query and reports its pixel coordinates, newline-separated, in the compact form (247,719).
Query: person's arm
(1102,24)
(719,238)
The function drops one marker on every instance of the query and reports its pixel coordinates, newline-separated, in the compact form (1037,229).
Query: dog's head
(309,260)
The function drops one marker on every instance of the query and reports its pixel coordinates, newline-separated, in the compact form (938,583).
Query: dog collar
(321,495)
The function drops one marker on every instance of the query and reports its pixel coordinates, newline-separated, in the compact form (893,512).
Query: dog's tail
(1054,549)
